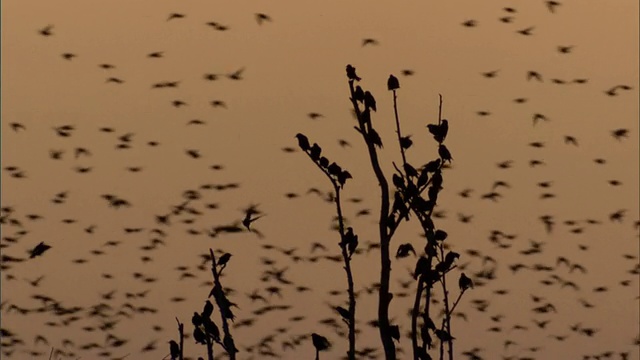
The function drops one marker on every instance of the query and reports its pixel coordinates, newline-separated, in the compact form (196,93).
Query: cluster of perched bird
(139,248)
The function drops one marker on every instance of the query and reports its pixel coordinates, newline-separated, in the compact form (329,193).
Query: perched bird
(351,74)
(303,142)
(174,350)
(393,83)
(224,259)
(464,282)
(320,342)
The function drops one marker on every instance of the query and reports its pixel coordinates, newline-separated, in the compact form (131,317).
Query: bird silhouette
(370,41)
(262,18)
(526,31)
(552,5)
(175,16)
(470,23)
(38,250)
(46,31)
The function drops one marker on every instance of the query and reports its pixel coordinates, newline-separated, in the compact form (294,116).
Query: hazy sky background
(295,65)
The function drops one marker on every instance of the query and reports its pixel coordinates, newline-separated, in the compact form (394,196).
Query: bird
(218,104)
(565,49)
(15,126)
(156,54)
(393,83)
(261,18)
(552,5)
(114,80)
(539,117)
(248,219)
(46,31)
(370,41)
(464,282)
(490,74)
(470,23)
(320,342)
(526,31)
(570,140)
(236,75)
(68,56)
(224,259)
(534,75)
(175,16)
(351,74)
(174,350)
(217,26)
(38,250)
(193,153)
(620,134)
(506,19)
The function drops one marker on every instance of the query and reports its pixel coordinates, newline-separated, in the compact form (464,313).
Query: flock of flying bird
(76,329)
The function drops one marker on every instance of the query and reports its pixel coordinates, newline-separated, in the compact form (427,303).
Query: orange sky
(294,65)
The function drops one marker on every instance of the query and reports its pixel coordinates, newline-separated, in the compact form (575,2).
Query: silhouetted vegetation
(413,191)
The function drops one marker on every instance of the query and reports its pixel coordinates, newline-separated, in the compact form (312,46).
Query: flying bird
(46,31)
(157,54)
(261,18)
(15,126)
(38,250)
(565,49)
(470,23)
(620,134)
(370,41)
(236,75)
(526,31)
(552,5)
(175,16)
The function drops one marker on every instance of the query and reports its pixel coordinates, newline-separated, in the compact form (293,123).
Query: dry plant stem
(181,332)
(395,112)
(456,302)
(351,354)
(209,347)
(225,323)
(385,260)
(414,319)
(447,314)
